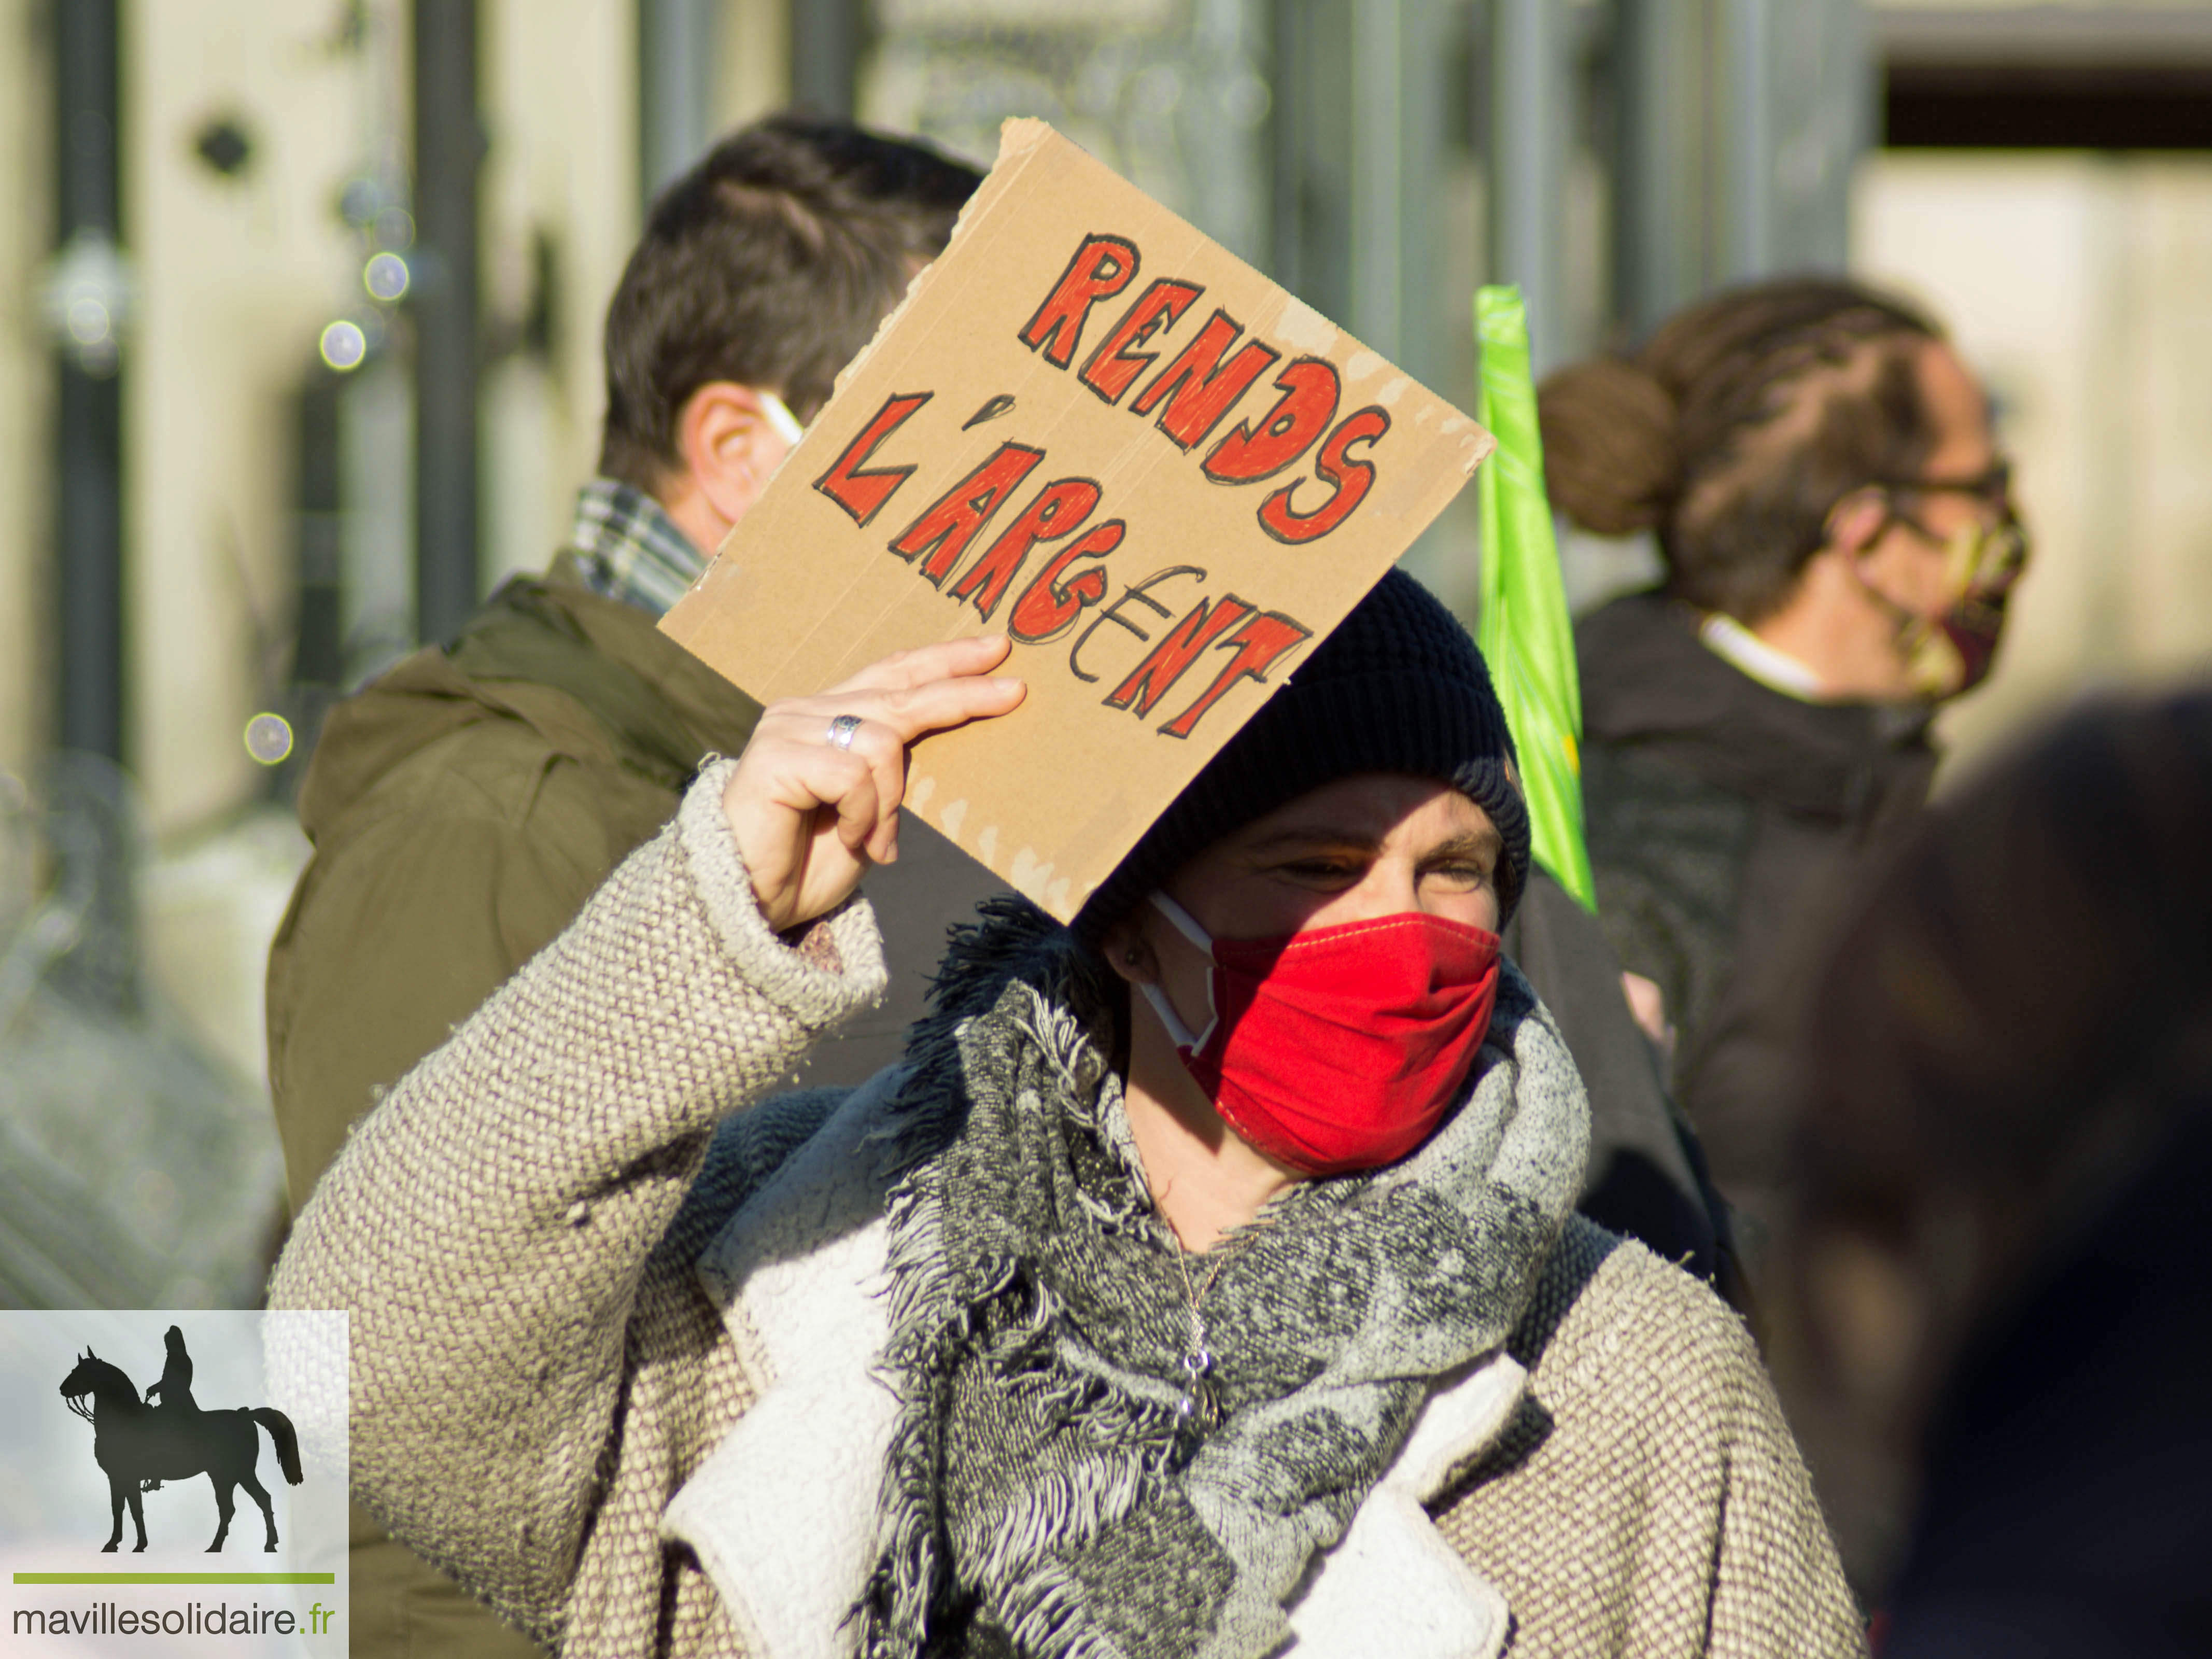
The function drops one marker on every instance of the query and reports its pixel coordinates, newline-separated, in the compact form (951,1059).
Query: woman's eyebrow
(1296,836)
(1315,835)
(1485,840)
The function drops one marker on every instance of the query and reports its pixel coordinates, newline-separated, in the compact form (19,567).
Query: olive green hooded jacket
(462,809)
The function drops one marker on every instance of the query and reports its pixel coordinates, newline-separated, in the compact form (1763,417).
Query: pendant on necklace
(1200,1409)
(1198,1413)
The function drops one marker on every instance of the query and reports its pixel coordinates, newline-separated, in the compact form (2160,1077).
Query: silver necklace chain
(1200,1409)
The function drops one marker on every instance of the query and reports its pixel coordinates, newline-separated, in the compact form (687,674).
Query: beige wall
(755,73)
(236,280)
(2080,286)
(560,88)
(26,214)
(560,93)
(239,279)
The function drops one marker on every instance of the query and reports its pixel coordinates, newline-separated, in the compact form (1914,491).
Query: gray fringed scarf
(1038,1495)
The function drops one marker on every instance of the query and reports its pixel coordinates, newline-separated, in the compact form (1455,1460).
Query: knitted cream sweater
(536,1370)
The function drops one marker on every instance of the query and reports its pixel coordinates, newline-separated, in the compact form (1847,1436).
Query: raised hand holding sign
(814,799)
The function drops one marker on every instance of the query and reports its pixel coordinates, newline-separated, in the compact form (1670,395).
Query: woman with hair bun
(1836,523)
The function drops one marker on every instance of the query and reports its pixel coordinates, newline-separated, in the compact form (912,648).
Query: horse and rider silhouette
(140,1444)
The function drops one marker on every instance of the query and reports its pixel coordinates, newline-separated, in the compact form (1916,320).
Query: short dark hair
(768,263)
(1737,428)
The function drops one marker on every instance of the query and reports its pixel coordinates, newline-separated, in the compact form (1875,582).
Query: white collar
(1729,640)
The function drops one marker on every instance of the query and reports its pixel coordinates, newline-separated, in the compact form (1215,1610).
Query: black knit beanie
(1398,687)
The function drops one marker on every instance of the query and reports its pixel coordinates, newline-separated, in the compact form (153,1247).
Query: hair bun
(1610,459)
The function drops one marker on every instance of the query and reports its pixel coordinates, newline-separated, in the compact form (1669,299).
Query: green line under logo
(176,1578)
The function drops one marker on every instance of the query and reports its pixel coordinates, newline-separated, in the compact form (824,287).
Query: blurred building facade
(2047,188)
(363,248)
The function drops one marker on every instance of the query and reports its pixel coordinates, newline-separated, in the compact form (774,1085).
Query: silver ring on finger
(841,730)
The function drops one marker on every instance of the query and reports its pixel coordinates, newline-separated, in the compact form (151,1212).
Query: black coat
(1647,1175)
(1726,821)
(2066,1509)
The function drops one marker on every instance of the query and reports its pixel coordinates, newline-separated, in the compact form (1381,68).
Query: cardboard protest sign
(1088,427)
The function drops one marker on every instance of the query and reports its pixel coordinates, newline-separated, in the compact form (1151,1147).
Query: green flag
(1526,637)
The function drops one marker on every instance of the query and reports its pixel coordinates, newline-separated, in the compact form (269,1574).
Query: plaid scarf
(1040,1496)
(631,548)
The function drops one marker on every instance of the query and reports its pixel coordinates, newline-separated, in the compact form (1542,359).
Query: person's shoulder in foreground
(2023,1179)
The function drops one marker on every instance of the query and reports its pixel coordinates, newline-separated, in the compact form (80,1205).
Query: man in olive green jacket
(466,806)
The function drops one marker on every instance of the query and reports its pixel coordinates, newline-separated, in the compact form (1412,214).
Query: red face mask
(1339,1048)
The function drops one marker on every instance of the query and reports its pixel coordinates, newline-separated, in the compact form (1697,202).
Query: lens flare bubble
(344,346)
(386,277)
(268,738)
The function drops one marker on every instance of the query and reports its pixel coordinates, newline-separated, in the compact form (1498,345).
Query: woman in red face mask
(1206,1279)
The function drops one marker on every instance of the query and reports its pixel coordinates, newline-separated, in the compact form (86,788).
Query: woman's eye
(1463,875)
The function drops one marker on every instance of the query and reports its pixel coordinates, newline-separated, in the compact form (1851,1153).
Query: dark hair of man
(768,263)
(1736,429)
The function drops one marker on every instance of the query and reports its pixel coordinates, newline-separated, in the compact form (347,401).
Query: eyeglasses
(1993,486)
